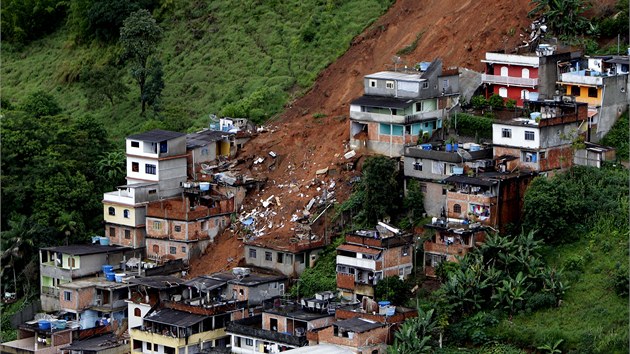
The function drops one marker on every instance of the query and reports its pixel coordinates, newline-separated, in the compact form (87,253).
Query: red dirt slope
(457,31)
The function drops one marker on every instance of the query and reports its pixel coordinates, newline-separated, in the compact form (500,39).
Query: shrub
(469,125)
(40,104)
(541,301)
(392,289)
(478,102)
(496,101)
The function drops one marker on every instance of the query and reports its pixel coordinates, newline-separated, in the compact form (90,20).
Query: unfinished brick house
(183,227)
(368,256)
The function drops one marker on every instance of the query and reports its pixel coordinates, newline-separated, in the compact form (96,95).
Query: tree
(26,20)
(415,335)
(102,83)
(382,193)
(17,246)
(563,17)
(155,84)
(392,289)
(40,104)
(495,101)
(112,166)
(478,102)
(414,202)
(139,36)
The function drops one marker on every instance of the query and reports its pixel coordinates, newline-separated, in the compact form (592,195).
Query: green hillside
(245,57)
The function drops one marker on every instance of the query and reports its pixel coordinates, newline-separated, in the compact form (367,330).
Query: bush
(469,125)
(619,138)
(495,101)
(40,104)
(394,290)
(541,301)
(478,102)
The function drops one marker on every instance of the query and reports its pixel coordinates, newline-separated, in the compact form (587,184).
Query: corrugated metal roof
(175,318)
(79,250)
(204,137)
(393,75)
(156,135)
(470,180)
(358,325)
(382,102)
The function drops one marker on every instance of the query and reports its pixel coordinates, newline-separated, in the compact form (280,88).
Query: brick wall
(361,340)
(345,281)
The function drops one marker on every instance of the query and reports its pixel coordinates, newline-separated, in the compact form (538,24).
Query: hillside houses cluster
(128,290)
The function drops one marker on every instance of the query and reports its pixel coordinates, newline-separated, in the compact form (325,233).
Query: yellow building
(170,331)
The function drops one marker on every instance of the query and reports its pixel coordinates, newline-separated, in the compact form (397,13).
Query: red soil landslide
(459,32)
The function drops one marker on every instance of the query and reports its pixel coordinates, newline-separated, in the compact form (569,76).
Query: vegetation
(394,290)
(619,137)
(415,335)
(470,125)
(321,277)
(563,17)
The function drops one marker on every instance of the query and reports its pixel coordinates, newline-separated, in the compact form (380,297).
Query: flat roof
(156,135)
(175,318)
(358,325)
(204,137)
(359,249)
(99,282)
(619,60)
(323,348)
(205,283)
(81,250)
(395,75)
(158,281)
(475,181)
(252,279)
(99,343)
(382,101)
(138,185)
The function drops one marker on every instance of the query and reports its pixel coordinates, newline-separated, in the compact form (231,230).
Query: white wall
(518,136)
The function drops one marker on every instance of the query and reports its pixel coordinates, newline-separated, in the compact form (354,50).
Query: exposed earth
(313,132)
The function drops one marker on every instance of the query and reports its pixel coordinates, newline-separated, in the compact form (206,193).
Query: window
(204,151)
(112,211)
(401,272)
(575,90)
(504,71)
(389,85)
(419,107)
(71,263)
(423,188)
(156,249)
(178,228)
(152,191)
(126,213)
(249,342)
(417,165)
(289,259)
(503,92)
(592,92)
(372,83)
(252,253)
(404,251)
(173,250)
(67,296)
(127,234)
(149,169)
(183,249)
(529,135)
(425,85)
(135,144)
(525,73)
(506,133)
(163,146)
(542,155)
(268,256)
(137,312)
(112,232)
(280,257)
(299,258)
(445,83)
(525,94)
(397,130)
(135,167)
(457,209)
(157,225)
(384,129)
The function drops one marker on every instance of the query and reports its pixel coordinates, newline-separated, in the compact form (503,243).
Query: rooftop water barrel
(61,324)
(110,276)
(475,147)
(44,325)
(458,170)
(104,241)
(119,277)
(533,96)
(426,146)
(204,186)
(107,268)
(390,310)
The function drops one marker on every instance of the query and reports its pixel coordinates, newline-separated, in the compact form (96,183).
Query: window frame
(390,85)
(457,209)
(126,213)
(67,295)
(127,234)
(111,211)
(172,250)
(252,252)
(150,169)
(135,144)
(135,166)
(530,135)
(372,83)
(591,94)
(506,133)
(268,256)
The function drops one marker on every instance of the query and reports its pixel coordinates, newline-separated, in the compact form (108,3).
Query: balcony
(357,262)
(441,248)
(120,196)
(508,80)
(251,327)
(50,291)
(583,77)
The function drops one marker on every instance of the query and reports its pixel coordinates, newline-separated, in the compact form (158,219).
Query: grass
(215,54)
(619,137)
(592,317)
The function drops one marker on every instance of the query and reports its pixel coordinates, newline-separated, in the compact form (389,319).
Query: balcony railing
(356,262)
(247,327)
(50,291)
(508,80)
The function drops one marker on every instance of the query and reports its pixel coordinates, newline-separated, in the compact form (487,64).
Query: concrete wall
(365,342)
(289,266)
(136,238)
(616,96)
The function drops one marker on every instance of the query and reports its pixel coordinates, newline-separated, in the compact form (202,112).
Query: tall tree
(139,36)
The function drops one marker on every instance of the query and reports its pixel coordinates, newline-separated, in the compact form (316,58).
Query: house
(282,325)
(367,256)
(147,292)
(65,264)
(429,164)
(204,148)
(518,75)
(602,83)
(183,227)
(124,213)
(244,285)
(452,238)
(157,156)
(94,302)
(544,141)
(358,334)
(594,155)
(34,338)
(399,108)
(493,199)
(104,344)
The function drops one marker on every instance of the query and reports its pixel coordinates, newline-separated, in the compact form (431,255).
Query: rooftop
(358,325)
(252,279)
(99,343)
(82,250)
(382,101)
(156,135)
(205,283)
(99,282)
(294,310)
(174,318)
(395,75)
(158,281)
(204,137)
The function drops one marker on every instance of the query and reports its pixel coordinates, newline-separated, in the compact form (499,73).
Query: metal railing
(508,80)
